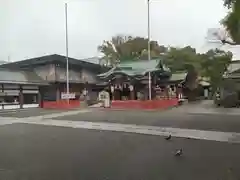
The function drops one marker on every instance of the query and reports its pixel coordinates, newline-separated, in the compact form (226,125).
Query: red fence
(61,104)
(153,104)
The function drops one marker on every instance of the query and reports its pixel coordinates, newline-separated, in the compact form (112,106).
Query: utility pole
(149,50)
(67,71)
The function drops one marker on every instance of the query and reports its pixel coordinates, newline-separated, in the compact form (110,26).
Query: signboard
(131,87)
(68,96)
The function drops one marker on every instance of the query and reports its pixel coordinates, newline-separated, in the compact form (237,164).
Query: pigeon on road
(179,152)
(168,137)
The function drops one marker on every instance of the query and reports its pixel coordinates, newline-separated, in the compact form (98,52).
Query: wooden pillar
(21,101)
(3,94)
(39,97)
(174,91)
(58,94)
(168,92)
(116,93)
(86,91)
(155,80)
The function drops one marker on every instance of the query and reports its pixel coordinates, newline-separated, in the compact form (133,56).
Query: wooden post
(39,97)
(21,97)
(58,92)
(2,91)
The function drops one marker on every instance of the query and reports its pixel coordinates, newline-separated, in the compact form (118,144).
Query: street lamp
(67,68)
(149,50)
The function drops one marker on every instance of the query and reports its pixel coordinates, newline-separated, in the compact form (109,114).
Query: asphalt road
(34,152)
(211,122)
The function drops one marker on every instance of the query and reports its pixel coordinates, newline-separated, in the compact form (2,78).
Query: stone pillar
(131,88)
(39,99)
(21,97)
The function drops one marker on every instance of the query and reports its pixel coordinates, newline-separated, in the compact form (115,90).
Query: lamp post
(66,34)
(149,50)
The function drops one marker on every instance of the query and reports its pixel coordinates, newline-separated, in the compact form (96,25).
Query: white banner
(68,96)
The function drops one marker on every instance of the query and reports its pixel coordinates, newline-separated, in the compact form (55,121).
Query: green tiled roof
(136,68)
(144,64)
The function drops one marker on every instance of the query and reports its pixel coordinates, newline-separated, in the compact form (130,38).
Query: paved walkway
(48,120)
(54,115)
(205,107)
(140,129)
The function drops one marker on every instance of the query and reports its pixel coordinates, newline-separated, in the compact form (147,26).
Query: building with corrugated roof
(30,82)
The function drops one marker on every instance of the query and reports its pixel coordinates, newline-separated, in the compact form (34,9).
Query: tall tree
(214,64)
(122,47)
(211,64)
(232,21)
(180,59)
(185,59)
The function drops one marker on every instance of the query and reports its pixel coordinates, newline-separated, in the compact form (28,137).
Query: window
(9,99)
(30,99)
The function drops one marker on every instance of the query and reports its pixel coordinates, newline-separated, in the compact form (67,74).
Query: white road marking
(7,121)
(140,129)
(60,114)
(11,111)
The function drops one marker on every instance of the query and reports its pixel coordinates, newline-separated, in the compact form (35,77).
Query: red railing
(148,104)
(61,104)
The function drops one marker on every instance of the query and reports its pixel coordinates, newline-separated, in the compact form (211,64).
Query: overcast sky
(30,28)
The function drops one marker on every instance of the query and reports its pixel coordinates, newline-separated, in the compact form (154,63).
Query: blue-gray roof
(55,58)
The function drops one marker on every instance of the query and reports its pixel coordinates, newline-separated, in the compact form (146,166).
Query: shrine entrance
(122,88)
(123,92)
